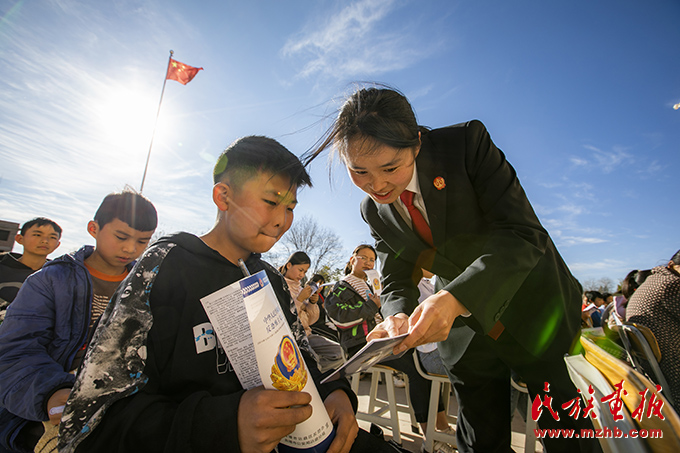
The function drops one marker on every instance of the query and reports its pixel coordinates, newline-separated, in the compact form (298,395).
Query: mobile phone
(314,286)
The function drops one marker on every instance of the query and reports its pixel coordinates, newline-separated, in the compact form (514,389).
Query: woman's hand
(390,327)
(314,298)
(432,320)
(341,413)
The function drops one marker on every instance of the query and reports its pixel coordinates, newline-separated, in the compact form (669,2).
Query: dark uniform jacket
(491,251)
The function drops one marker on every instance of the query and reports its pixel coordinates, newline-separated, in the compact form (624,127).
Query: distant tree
(603,285)
(330,274)
(321,244)
(618,287)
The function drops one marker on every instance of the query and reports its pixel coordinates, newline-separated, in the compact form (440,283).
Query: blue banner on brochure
(254,283)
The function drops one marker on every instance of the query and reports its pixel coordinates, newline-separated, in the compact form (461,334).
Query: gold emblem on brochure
(376,284)
(439,183)
(288,371)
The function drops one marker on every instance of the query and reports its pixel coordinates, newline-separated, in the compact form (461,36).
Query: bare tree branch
(321,244)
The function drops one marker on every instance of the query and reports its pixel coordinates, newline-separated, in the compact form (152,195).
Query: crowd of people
(648,298)
(107,348)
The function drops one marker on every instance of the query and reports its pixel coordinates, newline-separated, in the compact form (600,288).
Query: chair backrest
(646,354)
(649,336)
(425,374)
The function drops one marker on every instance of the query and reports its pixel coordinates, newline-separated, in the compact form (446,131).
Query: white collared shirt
(418,201)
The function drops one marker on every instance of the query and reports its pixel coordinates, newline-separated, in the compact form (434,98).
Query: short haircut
(592,295)
(248,156)
(318,278)
(130,207)
(40,221)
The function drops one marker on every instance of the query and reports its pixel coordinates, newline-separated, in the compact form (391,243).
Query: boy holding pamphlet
(156,377)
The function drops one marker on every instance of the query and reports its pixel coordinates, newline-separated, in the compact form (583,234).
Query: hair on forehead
(360,247)
(364,145)
(40,221)
(318,278)
(294,259)
(298,257)
(130,207)
(368,118)
(248,156)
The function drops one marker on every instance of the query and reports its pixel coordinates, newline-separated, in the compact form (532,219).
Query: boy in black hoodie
(155,378)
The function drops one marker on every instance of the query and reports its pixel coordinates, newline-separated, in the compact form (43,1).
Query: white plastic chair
(377,407)
(529,434)
(439,382)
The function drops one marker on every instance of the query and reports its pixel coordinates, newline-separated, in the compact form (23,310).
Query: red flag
(181,72)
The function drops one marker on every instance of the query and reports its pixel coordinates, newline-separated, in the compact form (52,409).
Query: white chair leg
(431,416)
(394,413)
(529,434)
(356,377)
(415,427)
(373,394)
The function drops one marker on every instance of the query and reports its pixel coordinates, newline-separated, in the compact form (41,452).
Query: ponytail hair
(377,115)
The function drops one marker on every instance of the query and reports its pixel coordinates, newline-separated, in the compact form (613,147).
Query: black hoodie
(12,274)
(191,395)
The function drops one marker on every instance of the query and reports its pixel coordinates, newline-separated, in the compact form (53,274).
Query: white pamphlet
(255,335)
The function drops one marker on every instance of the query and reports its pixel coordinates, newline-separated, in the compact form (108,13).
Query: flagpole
(148,156)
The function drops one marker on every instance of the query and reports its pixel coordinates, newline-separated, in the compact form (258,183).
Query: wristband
(56,410)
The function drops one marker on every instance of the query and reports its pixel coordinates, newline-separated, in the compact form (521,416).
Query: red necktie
(420,225)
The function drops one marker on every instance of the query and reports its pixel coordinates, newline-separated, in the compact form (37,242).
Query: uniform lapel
(397,227)
(390,217)
(429,177)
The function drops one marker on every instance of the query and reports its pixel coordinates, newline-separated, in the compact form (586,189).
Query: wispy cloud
(357,41)
(578,161)
(602,265)
(567,222)
(603,161)
(575,240)
(420,92)
(75,124)
(653,168)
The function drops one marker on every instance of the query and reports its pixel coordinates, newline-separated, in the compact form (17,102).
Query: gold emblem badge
(288,371)
(439,183)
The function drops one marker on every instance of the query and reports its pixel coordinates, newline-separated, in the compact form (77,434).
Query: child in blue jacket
(46,329)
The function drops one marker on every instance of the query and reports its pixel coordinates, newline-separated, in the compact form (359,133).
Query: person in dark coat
(448,201)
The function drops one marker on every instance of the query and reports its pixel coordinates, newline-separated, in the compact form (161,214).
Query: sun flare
(127,115)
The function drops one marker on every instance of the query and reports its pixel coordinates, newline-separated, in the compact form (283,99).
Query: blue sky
(579,95)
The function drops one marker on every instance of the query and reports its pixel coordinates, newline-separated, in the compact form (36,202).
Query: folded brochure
(375,351)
